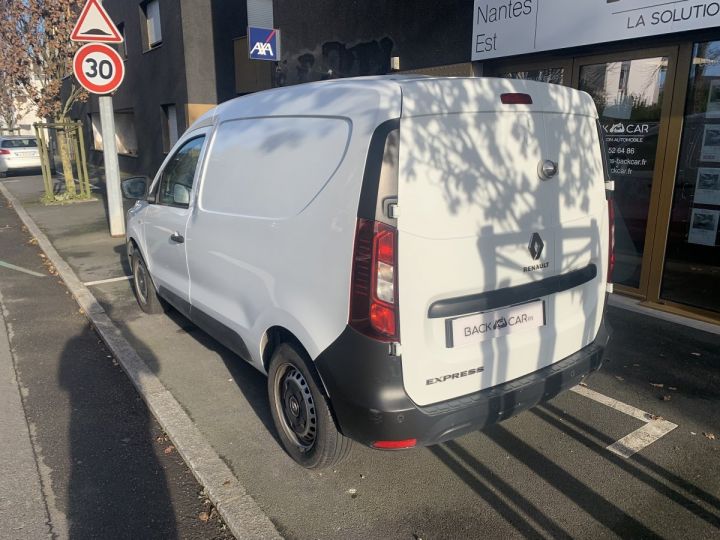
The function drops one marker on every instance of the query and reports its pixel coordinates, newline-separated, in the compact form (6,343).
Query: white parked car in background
(408,259)
(18,153)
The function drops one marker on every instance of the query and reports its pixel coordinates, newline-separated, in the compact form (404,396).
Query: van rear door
(501,266)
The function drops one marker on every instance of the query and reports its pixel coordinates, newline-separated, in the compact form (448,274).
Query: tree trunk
(65,158)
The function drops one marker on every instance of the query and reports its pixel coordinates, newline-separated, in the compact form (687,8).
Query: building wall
(344,38)
(230,22)
(192,69)
(153,78)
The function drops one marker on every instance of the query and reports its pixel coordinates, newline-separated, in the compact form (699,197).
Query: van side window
(179,173)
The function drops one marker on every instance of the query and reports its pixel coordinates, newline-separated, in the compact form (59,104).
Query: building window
(548,75)
(125,137)
(691,274)
(169,127)
(150,22)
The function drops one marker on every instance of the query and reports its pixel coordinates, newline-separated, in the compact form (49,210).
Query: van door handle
(177,237)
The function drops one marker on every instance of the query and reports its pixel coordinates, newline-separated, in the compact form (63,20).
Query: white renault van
(408,259)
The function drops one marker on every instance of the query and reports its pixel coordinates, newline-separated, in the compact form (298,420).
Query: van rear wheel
(301,414)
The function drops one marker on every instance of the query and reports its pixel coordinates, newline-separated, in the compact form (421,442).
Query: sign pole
(112,167)
(100,70)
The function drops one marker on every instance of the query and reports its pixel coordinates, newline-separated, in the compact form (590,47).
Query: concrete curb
(238,509)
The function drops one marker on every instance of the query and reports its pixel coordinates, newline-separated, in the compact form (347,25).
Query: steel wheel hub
(296,406)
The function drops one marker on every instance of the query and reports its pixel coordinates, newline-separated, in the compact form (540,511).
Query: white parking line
(20,269)
(111,280)
(654,428)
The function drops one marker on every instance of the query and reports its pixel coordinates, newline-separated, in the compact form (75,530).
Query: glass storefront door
(630,95)
(691,270)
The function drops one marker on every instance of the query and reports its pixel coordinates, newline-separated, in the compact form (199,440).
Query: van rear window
(272,167)
(19,143)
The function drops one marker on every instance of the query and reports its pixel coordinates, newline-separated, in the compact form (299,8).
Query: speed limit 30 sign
(98,68)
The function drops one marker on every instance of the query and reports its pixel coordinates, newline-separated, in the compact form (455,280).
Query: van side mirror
(181,194)
(134,188)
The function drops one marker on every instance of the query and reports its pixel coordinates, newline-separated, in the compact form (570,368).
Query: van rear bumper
(370,404)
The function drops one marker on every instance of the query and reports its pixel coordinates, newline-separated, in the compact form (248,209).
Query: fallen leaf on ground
(666,398)
(583,383)
(693,433)
(204,517)
(696,354)
(654,417)
(657,385)
(619,378)
(169,449)
(710,436)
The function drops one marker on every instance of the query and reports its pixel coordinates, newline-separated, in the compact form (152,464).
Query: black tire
(301,413)
(145,293)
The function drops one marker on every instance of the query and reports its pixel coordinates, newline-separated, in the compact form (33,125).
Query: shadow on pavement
(485,483)
(593,503)
(116,486)
(578,429)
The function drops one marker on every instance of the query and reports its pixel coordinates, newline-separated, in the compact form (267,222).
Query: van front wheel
(147,297)
(301,413)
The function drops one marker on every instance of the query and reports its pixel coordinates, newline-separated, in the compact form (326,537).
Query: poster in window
(707,186)
(713,103)
(711,143)
(703,226)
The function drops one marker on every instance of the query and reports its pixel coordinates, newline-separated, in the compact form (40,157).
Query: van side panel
(272,167)
(470,194)
(255,264)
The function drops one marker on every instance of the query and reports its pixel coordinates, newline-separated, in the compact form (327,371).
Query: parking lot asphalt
(544,473)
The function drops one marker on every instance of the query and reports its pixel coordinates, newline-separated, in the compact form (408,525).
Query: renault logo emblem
(535,247)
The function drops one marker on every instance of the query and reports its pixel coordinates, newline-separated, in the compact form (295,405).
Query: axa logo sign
(262,49)
(264,43)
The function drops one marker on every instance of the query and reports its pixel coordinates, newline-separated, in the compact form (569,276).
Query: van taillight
(611,243)
(373,294)
(5,152)
(516,99)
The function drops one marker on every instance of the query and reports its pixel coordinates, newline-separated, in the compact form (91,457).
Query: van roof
(406,94)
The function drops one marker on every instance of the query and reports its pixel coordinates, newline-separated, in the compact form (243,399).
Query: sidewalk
(23,513)
(545,472)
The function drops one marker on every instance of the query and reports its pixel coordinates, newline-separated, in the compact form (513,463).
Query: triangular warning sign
(94,24)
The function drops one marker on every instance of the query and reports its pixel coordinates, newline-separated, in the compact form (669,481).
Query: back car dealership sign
(510,27)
